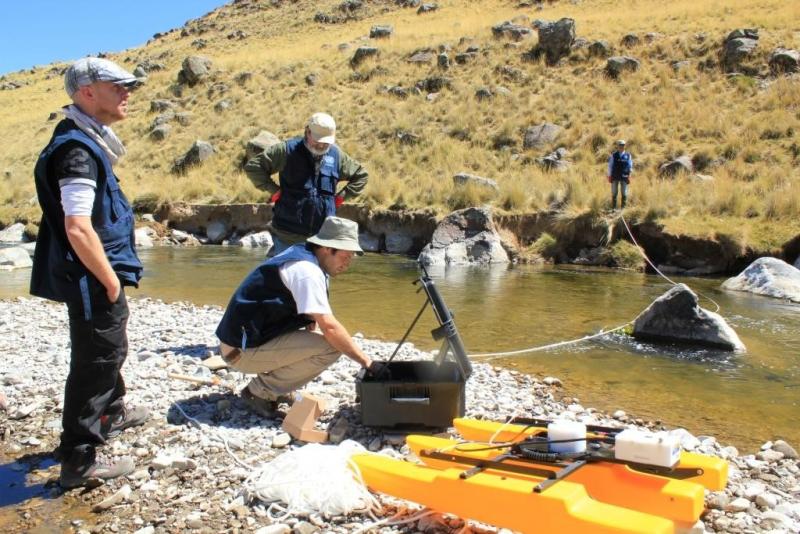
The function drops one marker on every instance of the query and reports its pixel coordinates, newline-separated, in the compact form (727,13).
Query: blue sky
(38,32)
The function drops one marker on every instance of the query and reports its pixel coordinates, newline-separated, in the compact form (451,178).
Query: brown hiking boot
(263,407)
(76,473)
(112,425)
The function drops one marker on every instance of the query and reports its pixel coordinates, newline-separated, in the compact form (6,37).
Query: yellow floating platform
(712,471)
(610,483)
(509,502)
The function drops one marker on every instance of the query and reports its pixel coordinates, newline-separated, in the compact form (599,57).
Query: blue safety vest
(621,166)
(306,198)
(262,307)
(57,272)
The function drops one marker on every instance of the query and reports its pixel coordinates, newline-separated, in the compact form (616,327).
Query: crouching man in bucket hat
(279,325)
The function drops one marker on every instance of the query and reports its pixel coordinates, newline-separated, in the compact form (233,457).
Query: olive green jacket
(273,159)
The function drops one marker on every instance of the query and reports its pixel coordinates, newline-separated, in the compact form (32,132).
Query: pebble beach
(191,454)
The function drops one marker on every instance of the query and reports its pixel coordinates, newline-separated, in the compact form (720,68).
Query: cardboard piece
(302,416)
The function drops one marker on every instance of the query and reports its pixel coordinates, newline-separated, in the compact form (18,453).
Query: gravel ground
(187,479)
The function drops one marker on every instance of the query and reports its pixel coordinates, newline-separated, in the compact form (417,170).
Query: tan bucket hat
(338,233)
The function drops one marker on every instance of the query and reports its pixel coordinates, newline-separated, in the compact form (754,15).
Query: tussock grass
(739,130)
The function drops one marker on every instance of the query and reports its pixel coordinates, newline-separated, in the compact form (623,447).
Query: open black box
(420,393)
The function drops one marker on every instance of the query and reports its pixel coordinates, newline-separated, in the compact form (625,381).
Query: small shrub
(624,255)
(546,246)
(701,161)
(146,203)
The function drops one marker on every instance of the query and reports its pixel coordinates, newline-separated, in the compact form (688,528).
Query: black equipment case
(419,393)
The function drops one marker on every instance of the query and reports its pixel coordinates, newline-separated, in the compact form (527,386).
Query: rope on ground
(492,355)
(214,435)
(651,264)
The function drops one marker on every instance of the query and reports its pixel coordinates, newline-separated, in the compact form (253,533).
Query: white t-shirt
(309,286)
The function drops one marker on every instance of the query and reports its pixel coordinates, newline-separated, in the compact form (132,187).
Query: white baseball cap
(322,128)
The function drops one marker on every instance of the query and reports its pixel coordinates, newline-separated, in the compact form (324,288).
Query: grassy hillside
(741,130)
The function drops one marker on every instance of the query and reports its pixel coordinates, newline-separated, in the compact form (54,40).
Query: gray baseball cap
(88,70)
(338,233)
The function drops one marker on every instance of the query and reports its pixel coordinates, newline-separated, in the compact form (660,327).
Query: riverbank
(205,490)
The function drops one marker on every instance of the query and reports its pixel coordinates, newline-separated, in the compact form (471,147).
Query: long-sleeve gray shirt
(273,159)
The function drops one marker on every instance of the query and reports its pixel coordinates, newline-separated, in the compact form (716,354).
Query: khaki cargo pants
(285,363)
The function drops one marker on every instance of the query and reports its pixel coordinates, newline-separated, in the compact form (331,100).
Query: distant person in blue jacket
(620,167)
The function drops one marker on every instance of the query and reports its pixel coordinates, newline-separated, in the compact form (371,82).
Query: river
(742,399)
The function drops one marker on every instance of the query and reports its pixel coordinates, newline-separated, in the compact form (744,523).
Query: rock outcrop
(738,48)
(555,39)
(676,317)
(466,236)
(770,277)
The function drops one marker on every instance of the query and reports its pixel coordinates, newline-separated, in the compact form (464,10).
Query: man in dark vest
(279,325)
(310,169)
(620,167)
(84,257)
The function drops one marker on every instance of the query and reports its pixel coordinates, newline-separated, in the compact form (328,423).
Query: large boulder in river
(464,237)
(676,317)
(770,277)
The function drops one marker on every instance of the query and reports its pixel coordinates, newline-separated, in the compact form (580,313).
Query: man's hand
(113,292)
(609,179)
(379,370)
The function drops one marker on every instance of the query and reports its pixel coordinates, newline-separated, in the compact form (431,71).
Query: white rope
(493,355)
(644,255)
(312,479)
(214,435)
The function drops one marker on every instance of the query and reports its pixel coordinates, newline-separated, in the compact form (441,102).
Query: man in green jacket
(310,169)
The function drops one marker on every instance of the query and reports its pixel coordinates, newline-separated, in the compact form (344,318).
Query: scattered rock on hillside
(541,135)
(434,84)
(149,65)
(676,316)
(259,143)
(427,8)
(443,61)
(600,49)
(198,153)
(243,77)
(784,61)
(381,31)
(555,39)
(14,258)
(464,179)
(421,56)
(511,73)
(223,105)
(512,31)
(682,164)
(630,40)
(193,70)
(555,161)
(163,118)
(160,132)
(362,53)
(161,105)
(184,118)
(616,65)
(738,47)
(483,93)
(770,277)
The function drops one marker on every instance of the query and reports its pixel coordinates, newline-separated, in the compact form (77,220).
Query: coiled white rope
(312,479)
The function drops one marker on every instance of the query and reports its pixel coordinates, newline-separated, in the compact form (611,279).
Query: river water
(743,399)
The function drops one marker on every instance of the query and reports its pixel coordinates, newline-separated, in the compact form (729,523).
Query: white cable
(493,355)
(214,435)
(644,255)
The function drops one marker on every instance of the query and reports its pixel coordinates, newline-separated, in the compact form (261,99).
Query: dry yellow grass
(738,130)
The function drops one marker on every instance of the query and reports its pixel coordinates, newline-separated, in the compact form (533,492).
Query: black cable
(405,336)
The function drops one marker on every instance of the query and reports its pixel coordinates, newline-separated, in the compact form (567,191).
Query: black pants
(95,387)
